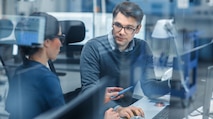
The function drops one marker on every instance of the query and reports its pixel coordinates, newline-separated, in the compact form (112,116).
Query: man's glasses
(128,29)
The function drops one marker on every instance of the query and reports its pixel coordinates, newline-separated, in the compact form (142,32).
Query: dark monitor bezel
(88,105)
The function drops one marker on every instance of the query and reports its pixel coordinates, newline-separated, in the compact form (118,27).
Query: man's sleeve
(150,86)
(89,66)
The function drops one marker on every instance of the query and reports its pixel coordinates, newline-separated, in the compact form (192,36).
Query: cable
(197,48)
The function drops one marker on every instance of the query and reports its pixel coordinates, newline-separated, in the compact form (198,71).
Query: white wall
(37,5)
(74,5)
(49,6)
(10,6)
(13,7)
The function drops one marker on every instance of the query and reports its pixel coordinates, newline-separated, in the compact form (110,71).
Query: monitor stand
(178,107)
(208,93)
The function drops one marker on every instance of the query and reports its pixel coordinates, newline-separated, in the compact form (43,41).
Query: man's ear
(138,29)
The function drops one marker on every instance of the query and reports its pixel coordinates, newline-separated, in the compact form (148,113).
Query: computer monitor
(22,30)
(87,105)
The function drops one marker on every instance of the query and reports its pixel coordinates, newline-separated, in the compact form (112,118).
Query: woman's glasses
(61,37)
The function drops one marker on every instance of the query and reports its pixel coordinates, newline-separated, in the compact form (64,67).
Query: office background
(194,16)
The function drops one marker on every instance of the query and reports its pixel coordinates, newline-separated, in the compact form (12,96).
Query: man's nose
(122,30)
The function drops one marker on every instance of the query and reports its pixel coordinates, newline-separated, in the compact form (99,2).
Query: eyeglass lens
(118,27)
(62,38)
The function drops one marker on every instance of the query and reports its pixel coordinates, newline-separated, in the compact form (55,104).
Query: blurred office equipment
(3,88)
(198,19)
(30,28)
(18,29)
(6,28)
(207,106)
(81,29)
(88,105)
(75,32)
(162,50)
(184,65)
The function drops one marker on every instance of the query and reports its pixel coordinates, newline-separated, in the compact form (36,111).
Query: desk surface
(149,106)
(150,110)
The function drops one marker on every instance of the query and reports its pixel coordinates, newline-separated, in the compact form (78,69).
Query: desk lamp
(164,29)
(162,48)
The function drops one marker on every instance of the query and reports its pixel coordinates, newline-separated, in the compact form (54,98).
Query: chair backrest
(74,31)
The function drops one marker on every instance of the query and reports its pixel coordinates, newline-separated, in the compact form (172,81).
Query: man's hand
(128,112)
(112,91)
(111,114)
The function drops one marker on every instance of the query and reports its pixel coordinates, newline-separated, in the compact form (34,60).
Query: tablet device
(122,92)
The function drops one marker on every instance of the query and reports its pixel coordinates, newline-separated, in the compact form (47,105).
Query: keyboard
(163,114)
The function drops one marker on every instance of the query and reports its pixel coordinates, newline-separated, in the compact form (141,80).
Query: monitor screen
(22,30)
(87,105)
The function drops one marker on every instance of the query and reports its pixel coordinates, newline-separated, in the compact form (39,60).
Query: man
(122,57)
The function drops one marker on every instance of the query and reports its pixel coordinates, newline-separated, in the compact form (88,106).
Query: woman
(34,89)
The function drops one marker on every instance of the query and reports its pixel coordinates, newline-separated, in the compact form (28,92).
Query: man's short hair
(129,9)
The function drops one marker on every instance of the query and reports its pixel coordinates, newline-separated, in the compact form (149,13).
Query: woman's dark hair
(129,9)
(51,30)
(51,24)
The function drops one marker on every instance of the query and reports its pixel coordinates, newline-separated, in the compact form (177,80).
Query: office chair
(75,32)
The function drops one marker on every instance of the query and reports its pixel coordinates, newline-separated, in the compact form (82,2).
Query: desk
(148,106)
(150,110)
